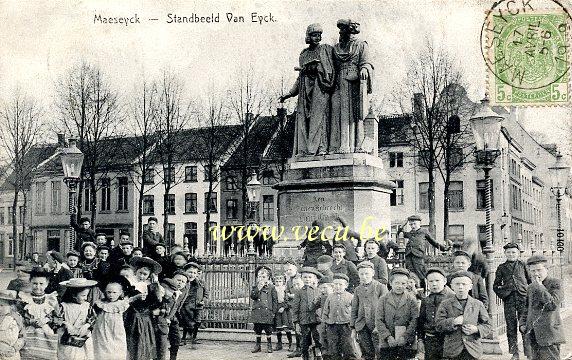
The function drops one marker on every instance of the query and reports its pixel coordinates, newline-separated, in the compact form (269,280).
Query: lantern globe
(253,188)
(486,126)
(559,173)
(72,160)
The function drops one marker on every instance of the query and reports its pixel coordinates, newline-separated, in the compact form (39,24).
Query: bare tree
(248,99)
(89,107)
(21,127)
(143,112)
(172,118)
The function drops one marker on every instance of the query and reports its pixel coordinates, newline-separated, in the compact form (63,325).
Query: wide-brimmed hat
(9,295)
(143,261)
(78,283)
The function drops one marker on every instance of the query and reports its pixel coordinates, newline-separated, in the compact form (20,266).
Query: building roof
(393,129)
(35,156)
(259,137)
(282,145)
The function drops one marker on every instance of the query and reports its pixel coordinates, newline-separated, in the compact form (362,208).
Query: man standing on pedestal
(541,318)
(415,248)
(151,237)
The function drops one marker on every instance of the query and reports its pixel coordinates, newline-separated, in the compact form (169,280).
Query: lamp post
(253,192)
(72,160)
(486,126)
(559,173)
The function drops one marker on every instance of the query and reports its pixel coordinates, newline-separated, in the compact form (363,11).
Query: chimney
(61,139)
(418,107)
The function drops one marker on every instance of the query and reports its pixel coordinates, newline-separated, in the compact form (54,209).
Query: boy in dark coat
(415,248)
(84,232)
(22,280)
(190,312)
(462,262)
(463,320)
(304,314)
(168,336)
(511,282)
(426,327)
(379,264)
(264,306)
(343,266)
(541,320)
(366,297)
(396,319)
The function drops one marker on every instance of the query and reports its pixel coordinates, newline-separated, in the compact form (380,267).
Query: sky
(41,40)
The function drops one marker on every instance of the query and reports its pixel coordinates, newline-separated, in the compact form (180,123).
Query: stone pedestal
(353,186)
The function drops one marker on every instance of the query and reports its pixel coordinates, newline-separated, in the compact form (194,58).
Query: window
(482,234)
(10,245)
(149,176)
(170,233)
(481,192)
(9,215)
(190,174)
(456,195)
(22,215)
(213,203)
(396,197)
(41,198)
(213,171)
(230,183)
(86,198)
(268,177)
(456,233)
(232,209)
(53,240)
(191,234)
(515,197)
(56,197)
(122,194)
(423,196)
(210,241)
(268,207)
(105,194)
(148,204)
(191,203)
(170,204)
(169,175)
(395,159)
(2,216)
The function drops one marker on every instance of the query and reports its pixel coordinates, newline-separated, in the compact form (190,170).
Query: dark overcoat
(264,304)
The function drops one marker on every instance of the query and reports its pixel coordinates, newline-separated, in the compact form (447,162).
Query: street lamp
(559,173)
(486,126)
(72,160)
(253,192)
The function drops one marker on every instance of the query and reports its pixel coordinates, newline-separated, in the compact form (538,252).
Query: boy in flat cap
(463,320)
(541,320)
(325,287)
(511,282)
(426,327)
(59,273)
(415,248)
(304,314)
(191,311)
(336,314)
(264,306)
(396,319)
(462,262)
(324,265)
(167,333)
(366,297)
(344,266)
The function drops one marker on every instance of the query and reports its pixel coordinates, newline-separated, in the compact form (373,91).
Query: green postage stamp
(528,58)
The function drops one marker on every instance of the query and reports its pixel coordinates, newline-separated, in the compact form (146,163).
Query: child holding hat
(11,326)
(78,318)
(463,320)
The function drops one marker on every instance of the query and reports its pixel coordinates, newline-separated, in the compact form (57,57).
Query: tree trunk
(24,215)
(446,211)
(15,225)
(93,200)
(166,219)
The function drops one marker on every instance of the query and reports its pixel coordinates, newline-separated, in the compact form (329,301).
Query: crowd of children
(100,302)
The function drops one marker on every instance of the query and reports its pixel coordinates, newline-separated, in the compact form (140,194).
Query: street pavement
(230,350)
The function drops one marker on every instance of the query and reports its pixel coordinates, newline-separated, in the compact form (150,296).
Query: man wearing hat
(511,282)
(415,248)
(541,321)
(304,315)
(426,327)
(82,229)
(366,297)
(463,320)
(151,237)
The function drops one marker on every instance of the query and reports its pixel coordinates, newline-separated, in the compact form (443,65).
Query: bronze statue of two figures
(332,88)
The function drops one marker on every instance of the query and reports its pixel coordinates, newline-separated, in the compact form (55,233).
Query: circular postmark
(525,43)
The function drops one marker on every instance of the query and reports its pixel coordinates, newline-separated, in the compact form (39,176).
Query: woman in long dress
(313,88)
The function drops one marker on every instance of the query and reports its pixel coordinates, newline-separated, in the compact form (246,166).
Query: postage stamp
(528,57)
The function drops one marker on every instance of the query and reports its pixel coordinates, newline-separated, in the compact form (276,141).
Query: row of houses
(523,204)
